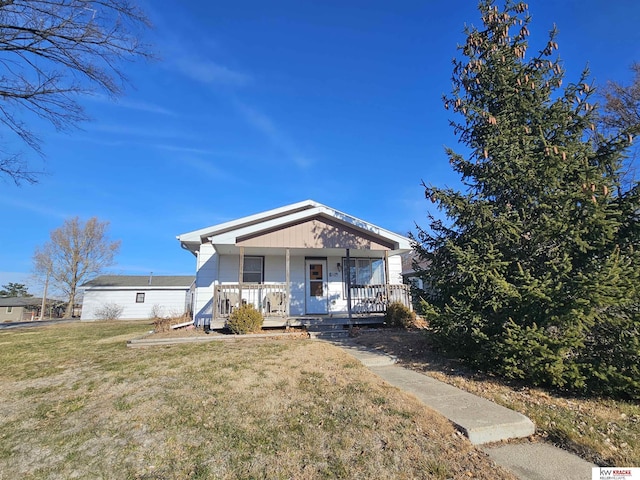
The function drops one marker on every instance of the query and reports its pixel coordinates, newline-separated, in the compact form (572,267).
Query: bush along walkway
(482,421)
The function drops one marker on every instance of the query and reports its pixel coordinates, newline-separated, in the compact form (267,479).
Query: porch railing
(375,298)
(271,298)
(268,298)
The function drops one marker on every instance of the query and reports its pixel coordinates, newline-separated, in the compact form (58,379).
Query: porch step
(328,335)
(327,331)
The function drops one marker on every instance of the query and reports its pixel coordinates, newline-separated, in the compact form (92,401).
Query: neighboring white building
(300,262)
(140,296)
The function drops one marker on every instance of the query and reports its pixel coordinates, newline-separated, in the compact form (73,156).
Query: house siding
(297,269)
(395,270)
(14,316)
(206,274)
(170,302)
(315,233)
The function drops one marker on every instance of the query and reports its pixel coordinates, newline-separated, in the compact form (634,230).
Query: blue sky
(254,105)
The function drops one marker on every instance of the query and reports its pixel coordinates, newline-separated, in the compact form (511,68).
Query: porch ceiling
(300,252)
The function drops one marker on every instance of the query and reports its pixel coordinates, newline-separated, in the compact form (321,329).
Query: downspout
(240,270)
(194,297)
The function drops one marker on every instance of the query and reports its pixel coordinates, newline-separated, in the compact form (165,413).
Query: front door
(317,298)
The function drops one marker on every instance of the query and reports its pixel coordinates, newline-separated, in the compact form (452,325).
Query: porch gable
(318,232)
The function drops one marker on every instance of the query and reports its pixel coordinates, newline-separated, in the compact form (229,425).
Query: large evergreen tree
(534,272)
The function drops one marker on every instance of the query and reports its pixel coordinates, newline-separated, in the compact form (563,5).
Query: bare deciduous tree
(75,252)
(622,103)
(621,115)
(53,50)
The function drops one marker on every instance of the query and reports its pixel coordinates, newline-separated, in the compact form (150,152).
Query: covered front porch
(366,304)
(296,263)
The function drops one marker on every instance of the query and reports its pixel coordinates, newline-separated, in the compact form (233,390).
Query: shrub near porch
(245,319)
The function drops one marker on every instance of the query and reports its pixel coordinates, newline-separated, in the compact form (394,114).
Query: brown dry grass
(76,402)
(602,431)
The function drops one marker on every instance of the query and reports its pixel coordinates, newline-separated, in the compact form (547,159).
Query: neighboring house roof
(413,263)
(140,281)
(20,301)
(331,229)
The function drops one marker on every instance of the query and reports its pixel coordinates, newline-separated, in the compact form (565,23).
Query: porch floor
(313,320)
(317,320)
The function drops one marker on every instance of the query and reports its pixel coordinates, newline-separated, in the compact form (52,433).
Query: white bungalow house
(138,296)
(301,264)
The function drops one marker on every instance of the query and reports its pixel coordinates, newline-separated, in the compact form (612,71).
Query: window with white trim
(364,271)
(253,270)
(139,297)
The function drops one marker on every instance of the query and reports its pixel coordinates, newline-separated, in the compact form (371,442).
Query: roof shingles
(141,281)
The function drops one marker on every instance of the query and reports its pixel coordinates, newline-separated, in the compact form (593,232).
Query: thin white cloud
(206,168)
(145,107)
(38,208)
(133,104)
(149,131)
(215,75)
(275,135)
(208,72)
(159,146)
(181,149)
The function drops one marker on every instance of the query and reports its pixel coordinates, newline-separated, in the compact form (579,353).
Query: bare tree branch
(622,103)
(621,116)
(14,167)
(52,51)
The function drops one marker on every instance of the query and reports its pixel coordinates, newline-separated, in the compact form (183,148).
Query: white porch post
(386,276)
(240,270)
(348,267)
(287,257)
(216,302)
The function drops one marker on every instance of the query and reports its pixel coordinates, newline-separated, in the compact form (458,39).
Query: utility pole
(44,296)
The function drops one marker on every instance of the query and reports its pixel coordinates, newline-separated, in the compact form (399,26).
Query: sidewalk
(479,419)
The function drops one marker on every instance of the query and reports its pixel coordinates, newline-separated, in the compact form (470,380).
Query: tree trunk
(69,311)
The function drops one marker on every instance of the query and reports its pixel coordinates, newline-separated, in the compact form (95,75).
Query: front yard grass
(603,431)
(75,402)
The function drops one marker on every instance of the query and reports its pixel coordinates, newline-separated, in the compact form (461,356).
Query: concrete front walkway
(479,419)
